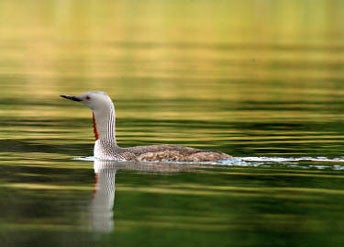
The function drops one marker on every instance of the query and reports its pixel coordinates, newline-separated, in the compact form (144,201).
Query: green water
(260,80)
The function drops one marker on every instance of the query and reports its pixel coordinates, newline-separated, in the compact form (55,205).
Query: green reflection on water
(165,204)
(253,207)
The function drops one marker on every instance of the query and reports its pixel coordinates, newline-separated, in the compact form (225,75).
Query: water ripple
(320,163)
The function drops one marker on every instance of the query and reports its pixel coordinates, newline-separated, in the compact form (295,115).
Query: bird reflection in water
(103,196)
(101,208)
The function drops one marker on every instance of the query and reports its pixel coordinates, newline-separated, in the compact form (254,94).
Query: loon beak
(74,98)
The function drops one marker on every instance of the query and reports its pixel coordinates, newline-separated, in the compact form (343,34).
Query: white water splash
(320,163)
(291,159)
(88,158)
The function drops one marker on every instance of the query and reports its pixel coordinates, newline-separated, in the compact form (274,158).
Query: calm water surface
(261,81)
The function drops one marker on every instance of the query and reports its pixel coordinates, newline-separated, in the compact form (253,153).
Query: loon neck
(104,124)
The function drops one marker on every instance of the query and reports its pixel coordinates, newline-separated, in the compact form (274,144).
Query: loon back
(168,152)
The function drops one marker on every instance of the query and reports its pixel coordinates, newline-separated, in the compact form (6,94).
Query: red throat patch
(95,131)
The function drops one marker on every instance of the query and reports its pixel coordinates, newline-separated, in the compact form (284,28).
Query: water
(261,81)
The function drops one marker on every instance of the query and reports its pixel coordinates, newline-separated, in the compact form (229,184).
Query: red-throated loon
(106,147)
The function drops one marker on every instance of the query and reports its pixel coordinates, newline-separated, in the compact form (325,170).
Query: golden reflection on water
(170,50)
(242,62)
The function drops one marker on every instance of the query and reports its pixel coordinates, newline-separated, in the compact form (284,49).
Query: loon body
(106,147)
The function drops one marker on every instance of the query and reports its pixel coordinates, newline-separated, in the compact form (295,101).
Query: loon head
(95,100)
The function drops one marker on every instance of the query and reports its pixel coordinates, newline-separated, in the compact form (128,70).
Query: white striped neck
(104,124)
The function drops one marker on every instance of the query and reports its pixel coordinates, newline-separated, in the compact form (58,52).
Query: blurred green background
(127,46)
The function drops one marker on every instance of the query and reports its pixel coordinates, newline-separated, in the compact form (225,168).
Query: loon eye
(88,97)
